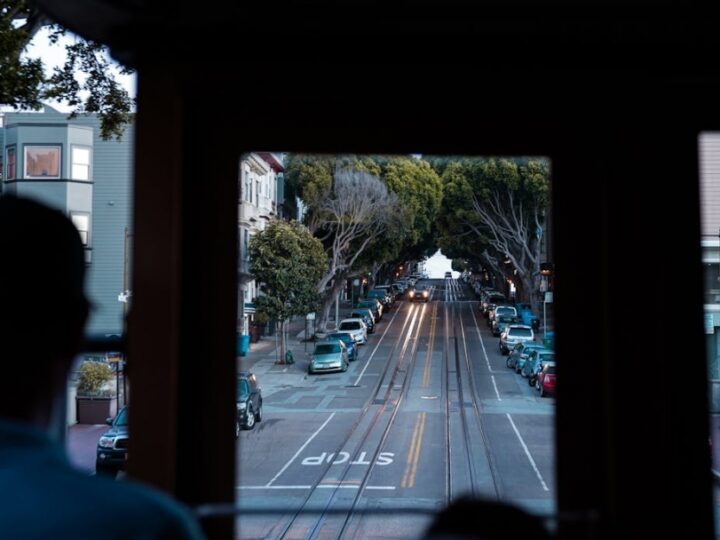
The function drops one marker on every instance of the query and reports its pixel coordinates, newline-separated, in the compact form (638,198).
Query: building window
(82,224)
(80,163)
(248,187)
(42,162)
(11,164)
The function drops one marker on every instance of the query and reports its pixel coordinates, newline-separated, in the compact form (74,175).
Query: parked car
(492,298)
(112,447)
(248,402)
(373,305)
(546,380)
(535,361)
(519,353)
(419,294)
(382,296)
(329,356)
(400,286)
(367,316)
(500,309)
(500,322)
(356,328)
(347,339)
(514,333)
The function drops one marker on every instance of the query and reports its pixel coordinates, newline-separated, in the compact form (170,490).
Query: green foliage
(23,84)
(93,376)
(288,262)
(410,229)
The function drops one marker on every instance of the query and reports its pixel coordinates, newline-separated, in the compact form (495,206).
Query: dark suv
(249,402)
(112,446)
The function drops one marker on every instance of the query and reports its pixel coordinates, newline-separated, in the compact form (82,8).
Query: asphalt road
(428,413)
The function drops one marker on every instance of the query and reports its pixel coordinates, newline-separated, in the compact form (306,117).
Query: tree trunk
(329,301)
(281,329)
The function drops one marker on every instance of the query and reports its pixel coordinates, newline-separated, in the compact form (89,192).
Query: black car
(249,402)
(419,294)
(112,446)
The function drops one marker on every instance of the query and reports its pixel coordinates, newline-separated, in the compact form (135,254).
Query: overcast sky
(54,55)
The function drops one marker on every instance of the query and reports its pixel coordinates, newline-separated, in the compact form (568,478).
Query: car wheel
(258,414)
(531,381)
(507,362)
(250,422)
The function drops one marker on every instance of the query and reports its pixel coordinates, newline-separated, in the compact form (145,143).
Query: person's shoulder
(142,509)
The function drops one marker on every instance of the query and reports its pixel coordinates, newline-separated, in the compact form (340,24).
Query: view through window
(432,279)
(709,156)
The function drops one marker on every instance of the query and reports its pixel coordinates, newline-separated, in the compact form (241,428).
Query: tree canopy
(85,81)
(287,262)
(494,212)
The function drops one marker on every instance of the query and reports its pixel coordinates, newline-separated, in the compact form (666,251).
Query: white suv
(356,328)
(513,334)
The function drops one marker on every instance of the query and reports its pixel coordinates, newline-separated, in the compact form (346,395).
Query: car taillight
(549,379)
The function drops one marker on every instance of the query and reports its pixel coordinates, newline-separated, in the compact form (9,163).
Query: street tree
(348,219)
(85,81)
(502,203)
(287,261)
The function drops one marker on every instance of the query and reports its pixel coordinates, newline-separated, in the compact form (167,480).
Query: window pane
(431,406)
(81,156)
(42,162)
(80,172)
(11,164)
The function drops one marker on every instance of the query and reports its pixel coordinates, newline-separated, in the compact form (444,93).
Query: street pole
(337,310)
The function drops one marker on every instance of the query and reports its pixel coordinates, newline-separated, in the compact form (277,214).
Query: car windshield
(359,314)
(547,357)
(122,418)
(350,325)
(419,288)
(243,388)
(342,337)
(521,332)
(327,348)
(505,319)
(507,311)
(549,369)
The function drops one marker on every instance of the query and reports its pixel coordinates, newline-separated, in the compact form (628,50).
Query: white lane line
(482,343)
(300,450)
(527,452)
(334,486)
(242,488)
(376,346)
(492,377)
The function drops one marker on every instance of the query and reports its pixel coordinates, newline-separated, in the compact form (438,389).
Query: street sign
(310,316)
(356,282)
(549,297)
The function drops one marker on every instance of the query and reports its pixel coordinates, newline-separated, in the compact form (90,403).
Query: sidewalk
(263,356)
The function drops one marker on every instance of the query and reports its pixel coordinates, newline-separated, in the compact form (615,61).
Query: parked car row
(337,350)
(536,363)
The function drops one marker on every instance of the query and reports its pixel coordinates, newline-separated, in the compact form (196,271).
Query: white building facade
(261,198)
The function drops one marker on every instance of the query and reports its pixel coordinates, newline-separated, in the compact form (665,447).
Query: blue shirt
(42,496)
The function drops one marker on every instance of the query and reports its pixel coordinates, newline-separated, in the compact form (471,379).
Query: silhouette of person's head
(43,307)
(477,519)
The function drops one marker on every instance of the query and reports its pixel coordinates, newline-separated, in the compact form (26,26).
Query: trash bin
(243,345)
(549,340)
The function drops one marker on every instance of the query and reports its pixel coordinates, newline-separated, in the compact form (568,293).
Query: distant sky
(437,265)
(54,55)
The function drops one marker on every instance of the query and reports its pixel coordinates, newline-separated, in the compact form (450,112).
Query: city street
(428,412)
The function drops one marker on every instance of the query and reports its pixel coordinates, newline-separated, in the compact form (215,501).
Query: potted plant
(95,400)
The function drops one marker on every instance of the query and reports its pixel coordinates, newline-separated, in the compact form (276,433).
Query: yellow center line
(418,446)
(411,452)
